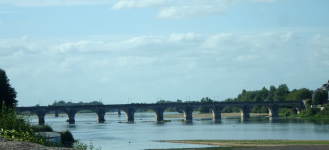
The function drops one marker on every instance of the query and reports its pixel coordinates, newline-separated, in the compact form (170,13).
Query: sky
(143,50)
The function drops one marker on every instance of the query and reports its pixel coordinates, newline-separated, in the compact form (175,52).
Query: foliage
(67,138)
(80,145)
(173,109)
(281,93)
(230,109)
(259,109)
(15,127)
(203,109)
(309,111)
(9,120)
(300,94)
(63,103)
(308,102)
(7,93)
(325,110)
(319,97)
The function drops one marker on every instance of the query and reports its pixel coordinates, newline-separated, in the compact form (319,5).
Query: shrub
(67,138)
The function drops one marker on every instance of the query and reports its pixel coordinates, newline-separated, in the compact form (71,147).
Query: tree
(270,95)
(203,109)
(7,93)
(262,94)
(300,94)
(319,97)
(308,102)
(281,93)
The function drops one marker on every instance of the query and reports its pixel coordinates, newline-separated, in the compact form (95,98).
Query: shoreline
(256,144)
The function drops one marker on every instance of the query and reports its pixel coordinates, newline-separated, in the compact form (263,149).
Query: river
(144,131)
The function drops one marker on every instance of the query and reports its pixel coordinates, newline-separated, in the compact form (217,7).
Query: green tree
(281,92)
(308,102)
(319,97)
(270,95)
(262,94)
(7,93)
(300,94)
(205,109)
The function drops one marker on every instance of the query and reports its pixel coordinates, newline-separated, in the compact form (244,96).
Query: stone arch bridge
(187,108)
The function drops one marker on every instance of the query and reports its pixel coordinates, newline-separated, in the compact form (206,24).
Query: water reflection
(216,122)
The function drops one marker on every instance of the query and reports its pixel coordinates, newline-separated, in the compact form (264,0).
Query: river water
(144,131)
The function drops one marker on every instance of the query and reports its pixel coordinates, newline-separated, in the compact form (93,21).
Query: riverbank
(15,145)
(257,144)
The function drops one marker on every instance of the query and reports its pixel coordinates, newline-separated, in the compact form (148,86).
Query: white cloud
(318,50)
(190,11)
(171,9)
(246,57)
(192,37)
(159,63)
(46,3)
(138,4)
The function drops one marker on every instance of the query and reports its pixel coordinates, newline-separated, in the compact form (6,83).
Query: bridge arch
(293,107)
(243,108)
(272,109)
(215,110)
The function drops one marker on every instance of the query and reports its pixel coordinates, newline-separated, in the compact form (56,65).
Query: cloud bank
(178,64)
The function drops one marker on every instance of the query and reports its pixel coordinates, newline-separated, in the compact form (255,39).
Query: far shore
(257,144)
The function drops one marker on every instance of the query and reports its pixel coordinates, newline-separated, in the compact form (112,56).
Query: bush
(67,138)
(308,102)
(11,123)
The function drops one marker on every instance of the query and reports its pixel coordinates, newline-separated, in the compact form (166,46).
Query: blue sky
(88,50)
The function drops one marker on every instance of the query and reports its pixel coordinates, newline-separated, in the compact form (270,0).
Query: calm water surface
(142,133)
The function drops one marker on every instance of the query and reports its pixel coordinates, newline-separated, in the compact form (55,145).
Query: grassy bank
(309,112)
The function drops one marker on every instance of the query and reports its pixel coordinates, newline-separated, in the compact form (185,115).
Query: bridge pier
(71,115)
(119,111)
(41,113)
(56,113)
(101,115)
(245,113)
(159,113)
(274,111)
(188,113)
(130,112)
(217,113)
